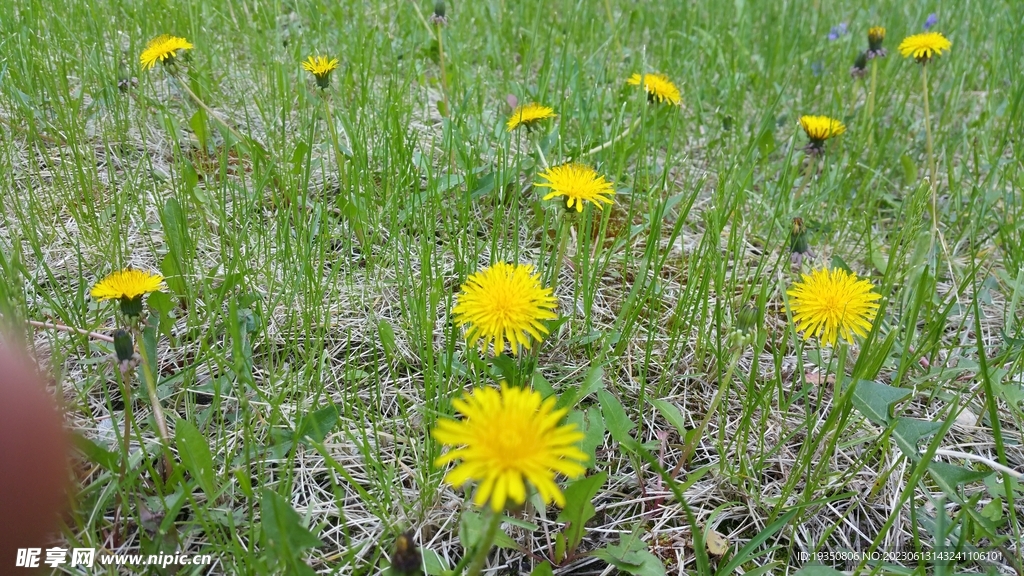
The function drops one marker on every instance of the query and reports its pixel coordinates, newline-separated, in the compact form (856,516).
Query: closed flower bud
(123,346)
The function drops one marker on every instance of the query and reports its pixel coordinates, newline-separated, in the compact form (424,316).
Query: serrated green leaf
(318,425)
(873,400)
(909,431)
(579,507)
(671,413)
(615,416)
(283,535)
(949,476)
(194,451)
(433,563)
(592,425)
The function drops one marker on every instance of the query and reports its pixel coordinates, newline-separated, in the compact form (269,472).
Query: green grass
(304,276)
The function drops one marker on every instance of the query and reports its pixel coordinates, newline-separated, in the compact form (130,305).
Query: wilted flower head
(438,18)
(798,245)
(859,66)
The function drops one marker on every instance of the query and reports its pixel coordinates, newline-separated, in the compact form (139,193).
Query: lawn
(765,343)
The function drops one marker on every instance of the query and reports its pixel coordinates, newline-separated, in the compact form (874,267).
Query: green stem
(807,178)
(209,111)
(540,153)
(871,101)
(148,369)
(352,210)
(484,546)
(444,73)
(931,154)
(696,435)
(615,139)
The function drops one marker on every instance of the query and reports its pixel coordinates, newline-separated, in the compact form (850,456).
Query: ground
(314,242)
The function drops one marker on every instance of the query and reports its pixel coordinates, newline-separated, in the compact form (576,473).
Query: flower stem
(540,153)
(871,101)
(353,210)
(696,435)
(622,135)
(148,368)
(485,544)
(931,154)
(209,111)
(807,178)
(444,73)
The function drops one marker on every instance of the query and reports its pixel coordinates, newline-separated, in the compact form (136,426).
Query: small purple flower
(837,32)
(932,20)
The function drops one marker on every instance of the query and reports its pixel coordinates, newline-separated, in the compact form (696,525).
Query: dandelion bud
(123,346)
(798,242)
(438,18)
(406,559)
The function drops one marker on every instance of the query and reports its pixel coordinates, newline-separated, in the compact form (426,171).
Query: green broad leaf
(472,527)
(299,156)
(560,546)
(541,384)
(318,425)
(194,451)
(908,432)
(874,400)
(579,507)
(542,569)
(838,262)
(631,555)
(284,537)
(615,417)
(766,143)
(818,571)
(593,381)
(433,563)
(909,170)
(175,229)
(201,129)
(993,510)
(387,339)
(94,452)
(949,476)
(172,275)
(671,413)
(592,425)
(160,302)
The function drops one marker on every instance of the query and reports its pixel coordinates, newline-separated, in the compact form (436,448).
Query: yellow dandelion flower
(829,304)
(128,286)
(578,183)
(528,114)
(504,302)
(819,129)
(658,87)
(506,440)
(923,46)
(320,67)
(163,48)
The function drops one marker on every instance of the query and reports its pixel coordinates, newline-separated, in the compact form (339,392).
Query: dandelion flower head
(527,114)
(833,303)
(579,183)
(504,302)
(127,284)
(506,439)
(163,48)
(320,67)
(658,87)
(923,46)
